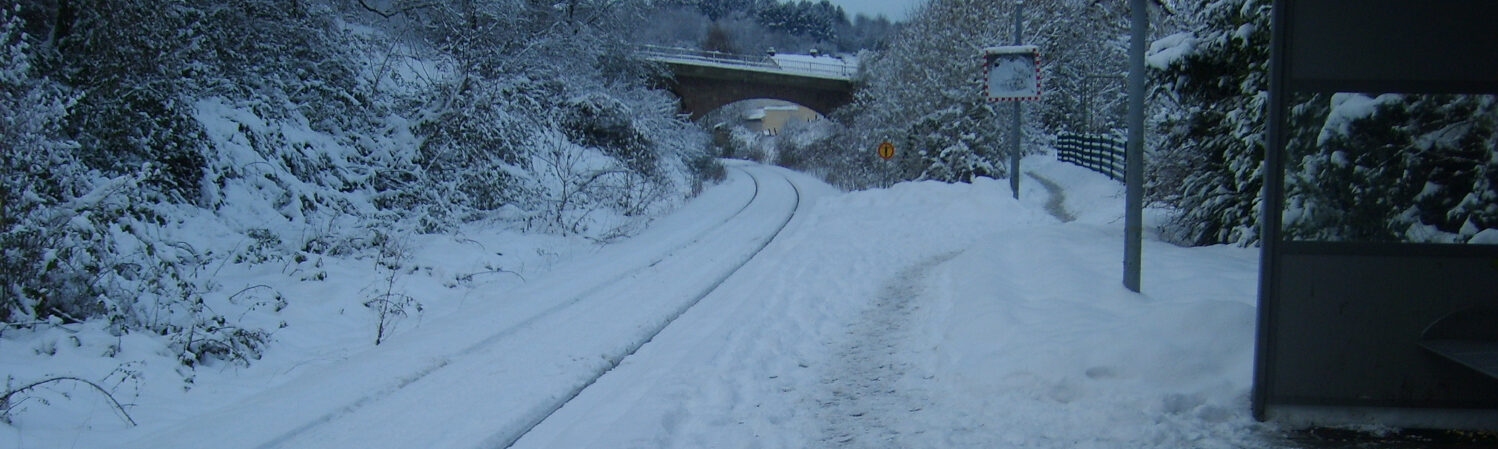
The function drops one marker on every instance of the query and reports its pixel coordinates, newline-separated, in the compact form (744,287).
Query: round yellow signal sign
(886,150)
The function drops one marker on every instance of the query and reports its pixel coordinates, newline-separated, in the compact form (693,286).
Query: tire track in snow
(862,398)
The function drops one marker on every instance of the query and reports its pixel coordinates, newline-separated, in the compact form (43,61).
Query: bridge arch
(701,94)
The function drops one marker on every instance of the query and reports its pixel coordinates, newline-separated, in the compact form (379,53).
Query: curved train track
(707,259)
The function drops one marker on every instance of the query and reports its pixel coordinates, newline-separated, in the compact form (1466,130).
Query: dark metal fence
(1103,153)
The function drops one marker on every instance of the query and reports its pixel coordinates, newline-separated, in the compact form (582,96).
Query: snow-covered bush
(87,196)
(149,144)
(39,173)
(951,148)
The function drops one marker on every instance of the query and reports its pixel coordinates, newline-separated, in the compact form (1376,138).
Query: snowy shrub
(459,167)
(387,301)
(709,169)
(104,180)
(950,147)
(38,172)
(570,182)
(297,129)
(605,123)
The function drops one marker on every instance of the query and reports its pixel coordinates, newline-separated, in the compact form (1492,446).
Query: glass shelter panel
(1389,167)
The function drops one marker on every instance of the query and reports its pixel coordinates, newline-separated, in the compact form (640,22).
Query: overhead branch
(395,12)
(1160,3)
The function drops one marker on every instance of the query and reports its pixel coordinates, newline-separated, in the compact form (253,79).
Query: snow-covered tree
(1416,168)
(1208,165)
(922,90)
(1386,168)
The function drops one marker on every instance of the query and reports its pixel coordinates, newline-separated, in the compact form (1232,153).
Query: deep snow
(923,315)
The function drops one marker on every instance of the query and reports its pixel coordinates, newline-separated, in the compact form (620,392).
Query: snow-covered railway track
(509,440)
(493,388)
(281,440)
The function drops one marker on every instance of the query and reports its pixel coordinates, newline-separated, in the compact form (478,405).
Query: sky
(893,9)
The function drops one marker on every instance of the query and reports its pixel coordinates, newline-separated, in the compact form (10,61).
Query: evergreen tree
(1417,168)
(1213,150)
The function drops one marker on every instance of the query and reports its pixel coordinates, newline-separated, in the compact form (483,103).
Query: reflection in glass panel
(1392,168)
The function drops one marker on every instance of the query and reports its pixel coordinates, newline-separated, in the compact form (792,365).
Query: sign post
(1134,151)
(1013,74)
(886,151)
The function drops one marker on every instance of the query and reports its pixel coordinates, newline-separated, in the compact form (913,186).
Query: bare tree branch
(396,12)
(6,398)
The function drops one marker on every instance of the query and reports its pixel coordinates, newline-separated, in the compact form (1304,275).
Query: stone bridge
(706,81)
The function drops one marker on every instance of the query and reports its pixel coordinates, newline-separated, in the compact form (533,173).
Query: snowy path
(867,396)
(420,392)
(1056,205)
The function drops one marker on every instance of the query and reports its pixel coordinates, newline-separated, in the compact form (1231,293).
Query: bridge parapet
(789,64)
(708,80)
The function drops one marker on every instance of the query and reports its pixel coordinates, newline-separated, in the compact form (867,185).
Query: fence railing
(1103,153)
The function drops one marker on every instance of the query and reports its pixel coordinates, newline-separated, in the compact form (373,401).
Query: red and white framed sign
(1012,73)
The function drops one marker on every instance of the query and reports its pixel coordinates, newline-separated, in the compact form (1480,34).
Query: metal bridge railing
(690,54)
(838,69)
(1103,153)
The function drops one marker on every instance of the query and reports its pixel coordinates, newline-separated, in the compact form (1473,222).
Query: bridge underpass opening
(765,116)
(763,129)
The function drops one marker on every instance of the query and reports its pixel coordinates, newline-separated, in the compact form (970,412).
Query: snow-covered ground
(939,315)
(924,315)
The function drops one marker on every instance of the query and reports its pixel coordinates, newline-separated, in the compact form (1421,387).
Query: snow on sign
(1013,73)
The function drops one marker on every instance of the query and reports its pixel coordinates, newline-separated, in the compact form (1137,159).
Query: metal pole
(1272,207)
(1134,153)
(888,176)
(1016,133)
